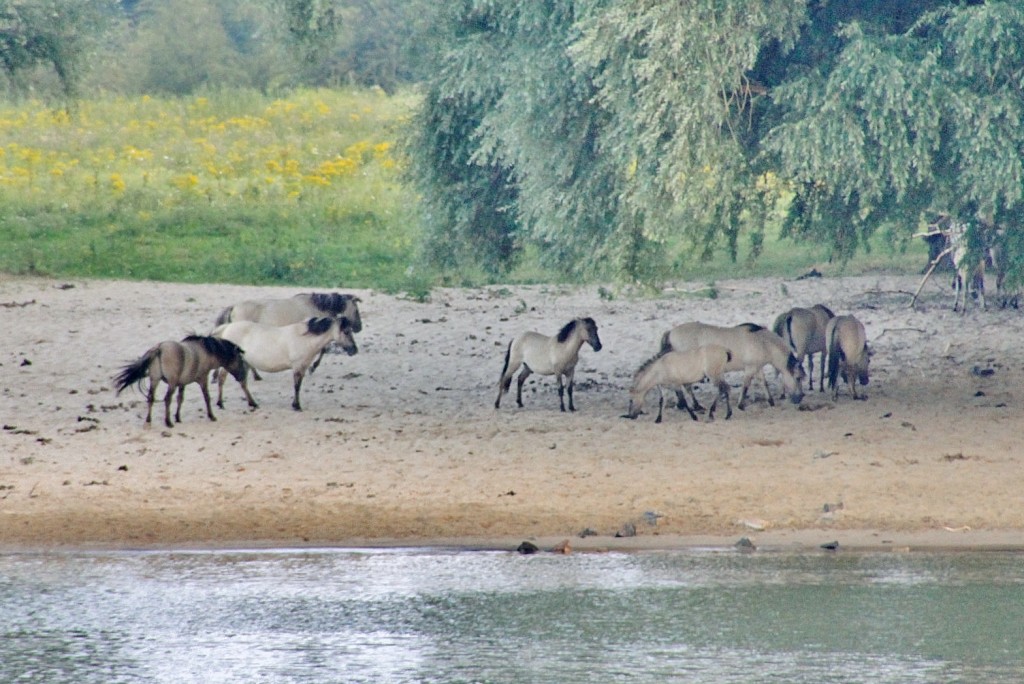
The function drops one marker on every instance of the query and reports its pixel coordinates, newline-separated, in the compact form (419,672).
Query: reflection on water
(438,615)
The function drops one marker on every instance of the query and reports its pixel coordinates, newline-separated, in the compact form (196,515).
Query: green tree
(924,121)
(618,125)
(57,34)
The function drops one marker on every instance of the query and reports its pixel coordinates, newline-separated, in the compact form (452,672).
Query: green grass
(241,188)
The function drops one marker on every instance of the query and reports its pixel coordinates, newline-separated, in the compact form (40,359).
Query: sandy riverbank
(401,443)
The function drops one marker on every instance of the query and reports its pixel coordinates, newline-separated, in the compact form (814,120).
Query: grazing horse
(296,309)
(753,347)
(557,355)
(848,354)
(181,363)
(804,331)
(679,368)
(272,348)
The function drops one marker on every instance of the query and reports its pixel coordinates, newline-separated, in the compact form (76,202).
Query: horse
(295,309)
(272,348)
(181,363)
(557,355)
(678,368)
(752,346)
(804,331)
(848,354)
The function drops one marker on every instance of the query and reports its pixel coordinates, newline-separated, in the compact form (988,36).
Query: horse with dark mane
(295,309)
(557,355)
(753,347)
(274,348)
(803,329)
(181,363)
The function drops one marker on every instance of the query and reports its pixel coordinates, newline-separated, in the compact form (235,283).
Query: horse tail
(666,342)
(789,332)
(224,316)
(833,357)
(137,372)
(506,382)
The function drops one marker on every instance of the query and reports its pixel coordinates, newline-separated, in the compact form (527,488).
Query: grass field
(238,187)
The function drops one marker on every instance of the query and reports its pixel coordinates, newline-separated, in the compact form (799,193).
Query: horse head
(228,354)
(795,375)
(592,338)
(345,335)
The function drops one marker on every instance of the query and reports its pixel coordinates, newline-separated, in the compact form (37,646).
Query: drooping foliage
(925,121)
(600,130)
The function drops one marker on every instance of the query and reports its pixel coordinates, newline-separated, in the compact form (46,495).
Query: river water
(436,615)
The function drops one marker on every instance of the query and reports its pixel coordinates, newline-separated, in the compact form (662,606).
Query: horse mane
(752,327)
(224,350)
(666,342)
(331,302)
(566,332)
(318,326)
(650,362)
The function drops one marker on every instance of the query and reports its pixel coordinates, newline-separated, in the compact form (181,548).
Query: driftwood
(928,273)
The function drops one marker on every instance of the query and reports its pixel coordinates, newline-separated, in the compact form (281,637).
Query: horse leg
(747,379)
(681,404)
(245,389)
(767,389)
(167,405)
(661,404)
(319,358)
(527,372)
(297,377)
(150,397)
(561,393)
(723,391)
(181,397)
(687,407)
(206,398)
(221,376)
(821,374)
(571,377)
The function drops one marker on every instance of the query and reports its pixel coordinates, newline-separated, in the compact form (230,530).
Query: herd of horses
(274,335)
(268,335)
(694,352)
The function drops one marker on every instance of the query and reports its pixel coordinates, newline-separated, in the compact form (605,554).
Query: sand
(401,444)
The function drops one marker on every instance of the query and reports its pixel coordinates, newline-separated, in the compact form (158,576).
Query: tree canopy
(598,130)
